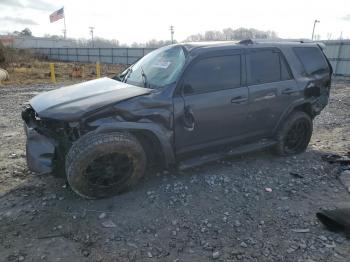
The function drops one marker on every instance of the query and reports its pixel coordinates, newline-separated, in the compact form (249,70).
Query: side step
(200,160)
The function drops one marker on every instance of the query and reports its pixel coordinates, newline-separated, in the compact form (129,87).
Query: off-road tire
(295,118)
(92,147)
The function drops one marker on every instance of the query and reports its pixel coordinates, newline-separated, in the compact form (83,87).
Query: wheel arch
(151,136)
(303,106)
(151,145)
(306,108)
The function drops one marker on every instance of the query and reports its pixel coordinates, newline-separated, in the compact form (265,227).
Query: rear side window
(266,66)
(213,74)
(312,59)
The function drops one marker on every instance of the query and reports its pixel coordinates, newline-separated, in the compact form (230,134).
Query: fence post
(113,55)
(127,56)
(98,70)
(52,71)
(339,53)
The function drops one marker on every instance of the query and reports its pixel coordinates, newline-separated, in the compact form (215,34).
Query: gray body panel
(39,151)
(73,102)
(267,102)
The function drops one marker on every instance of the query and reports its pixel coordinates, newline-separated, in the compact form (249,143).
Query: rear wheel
(102,165)
(294,135)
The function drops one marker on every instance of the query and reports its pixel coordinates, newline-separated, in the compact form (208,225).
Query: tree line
(232,34)
(211,35)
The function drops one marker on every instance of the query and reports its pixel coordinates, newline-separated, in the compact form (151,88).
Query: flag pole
(65,28)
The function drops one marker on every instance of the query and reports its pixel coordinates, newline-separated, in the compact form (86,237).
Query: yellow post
(98,70)
(52,70)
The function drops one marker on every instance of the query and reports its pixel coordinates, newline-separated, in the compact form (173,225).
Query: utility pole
(92,35)
(172,34)
(341,35)
(313,30)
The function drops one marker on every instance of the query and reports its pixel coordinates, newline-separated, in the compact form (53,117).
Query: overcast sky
(142,20)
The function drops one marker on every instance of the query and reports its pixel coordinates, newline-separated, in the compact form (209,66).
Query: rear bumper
(39,151)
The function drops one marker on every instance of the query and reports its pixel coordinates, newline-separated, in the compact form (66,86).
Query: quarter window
(312,59)
(267,66)
(213,74)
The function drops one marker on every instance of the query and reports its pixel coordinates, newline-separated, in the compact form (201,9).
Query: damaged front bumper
(40,149)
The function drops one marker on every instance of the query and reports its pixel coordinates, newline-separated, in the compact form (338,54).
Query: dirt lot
(35,71)
(220,211)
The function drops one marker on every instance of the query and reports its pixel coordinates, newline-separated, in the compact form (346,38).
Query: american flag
(57,15)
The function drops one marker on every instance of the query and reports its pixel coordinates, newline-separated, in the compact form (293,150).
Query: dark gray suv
(179,106)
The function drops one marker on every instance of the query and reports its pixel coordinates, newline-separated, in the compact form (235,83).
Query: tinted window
(267,66)
(215,73)
(285,73)
(312,59)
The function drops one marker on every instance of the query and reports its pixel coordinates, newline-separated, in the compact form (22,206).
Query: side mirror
(117,77)
(186,89)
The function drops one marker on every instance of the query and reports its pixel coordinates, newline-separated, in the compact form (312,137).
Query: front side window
(267,66)
(158,68)
(213,74)
(312,59)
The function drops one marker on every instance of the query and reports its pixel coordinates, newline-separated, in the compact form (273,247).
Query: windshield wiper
(127,75)
(144,77)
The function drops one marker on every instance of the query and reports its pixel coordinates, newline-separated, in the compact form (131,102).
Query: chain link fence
(124,56)
(337,51)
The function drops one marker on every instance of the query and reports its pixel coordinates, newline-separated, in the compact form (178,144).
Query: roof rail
(246,42)
(257,41)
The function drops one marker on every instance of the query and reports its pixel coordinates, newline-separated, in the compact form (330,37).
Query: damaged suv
(178,106)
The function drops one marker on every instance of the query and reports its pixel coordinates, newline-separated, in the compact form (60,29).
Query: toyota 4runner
(178,106)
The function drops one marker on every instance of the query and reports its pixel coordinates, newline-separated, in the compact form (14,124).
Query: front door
(212,108)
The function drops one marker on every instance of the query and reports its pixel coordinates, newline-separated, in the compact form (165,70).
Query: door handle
(266,97)
(188,118)
(239,100)
(289,91)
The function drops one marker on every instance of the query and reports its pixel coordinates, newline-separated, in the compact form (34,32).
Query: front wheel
(294,135)
(102,165)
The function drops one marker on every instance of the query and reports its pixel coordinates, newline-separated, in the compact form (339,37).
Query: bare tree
(231,34)
(25,32)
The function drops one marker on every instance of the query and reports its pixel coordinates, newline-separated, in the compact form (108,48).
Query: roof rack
(246,42)
(257,41)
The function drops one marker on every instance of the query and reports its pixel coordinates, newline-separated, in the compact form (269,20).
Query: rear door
(271,89)
(213,107)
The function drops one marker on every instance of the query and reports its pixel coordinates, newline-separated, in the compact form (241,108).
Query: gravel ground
(256,207)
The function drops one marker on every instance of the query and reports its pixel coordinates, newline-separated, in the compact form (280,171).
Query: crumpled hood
(72,102)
